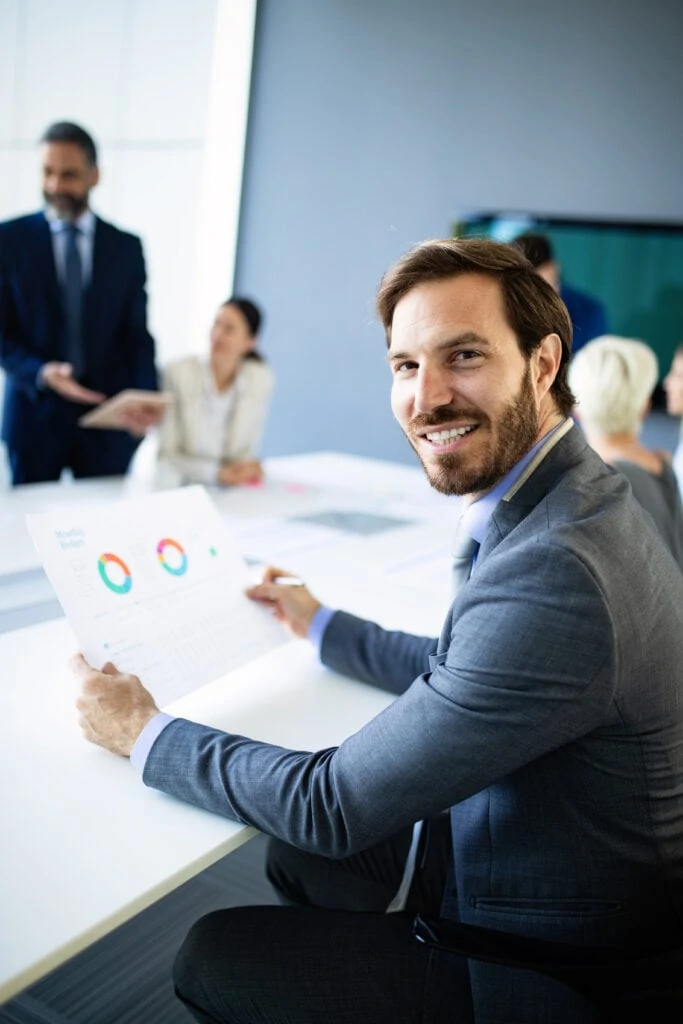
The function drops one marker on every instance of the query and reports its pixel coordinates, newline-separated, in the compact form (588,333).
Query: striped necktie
(73,301)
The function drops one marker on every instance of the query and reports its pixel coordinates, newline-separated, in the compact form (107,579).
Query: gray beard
(69,214)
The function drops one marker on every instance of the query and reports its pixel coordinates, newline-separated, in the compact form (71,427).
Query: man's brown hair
(532,307)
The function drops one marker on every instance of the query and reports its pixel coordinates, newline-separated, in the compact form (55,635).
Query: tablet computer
(106,415)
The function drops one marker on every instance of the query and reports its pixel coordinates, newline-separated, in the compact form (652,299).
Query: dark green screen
(635,269)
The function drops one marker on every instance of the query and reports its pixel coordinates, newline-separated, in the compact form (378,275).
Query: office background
(372,124)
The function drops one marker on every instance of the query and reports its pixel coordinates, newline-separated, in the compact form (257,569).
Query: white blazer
(181,431)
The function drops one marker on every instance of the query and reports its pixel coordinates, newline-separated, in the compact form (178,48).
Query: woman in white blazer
(212,432)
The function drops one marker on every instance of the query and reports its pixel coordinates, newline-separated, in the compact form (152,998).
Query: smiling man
(73,323)
(471,401)
(527,783)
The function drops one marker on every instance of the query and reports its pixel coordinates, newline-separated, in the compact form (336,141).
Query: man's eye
(465,354)
(404,367)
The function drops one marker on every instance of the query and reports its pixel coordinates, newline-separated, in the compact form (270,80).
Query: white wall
(156,82)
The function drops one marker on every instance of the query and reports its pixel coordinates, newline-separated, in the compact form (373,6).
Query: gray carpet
(125,978)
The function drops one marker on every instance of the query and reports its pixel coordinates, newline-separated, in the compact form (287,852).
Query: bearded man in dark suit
(73,323)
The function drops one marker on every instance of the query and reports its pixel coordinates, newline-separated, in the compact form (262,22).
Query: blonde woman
(613,379)
(212,433)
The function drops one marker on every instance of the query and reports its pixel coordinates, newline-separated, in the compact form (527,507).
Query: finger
(79,666)
(88,733)
(87,396)
(271,572)
(83,724)
(268,592)
(250,593)
(151,413)
(110,669)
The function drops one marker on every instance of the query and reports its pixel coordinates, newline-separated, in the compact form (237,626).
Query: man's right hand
(59,377)
(294,607)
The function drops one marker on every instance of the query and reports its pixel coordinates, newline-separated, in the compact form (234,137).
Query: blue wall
(373,122)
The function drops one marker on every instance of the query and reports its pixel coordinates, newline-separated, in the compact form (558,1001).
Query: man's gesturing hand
(59,377)
(114,707)
(294,607)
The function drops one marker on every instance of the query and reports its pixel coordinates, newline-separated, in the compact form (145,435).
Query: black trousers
(334,956)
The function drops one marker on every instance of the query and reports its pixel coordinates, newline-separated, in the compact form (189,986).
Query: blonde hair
(613,379)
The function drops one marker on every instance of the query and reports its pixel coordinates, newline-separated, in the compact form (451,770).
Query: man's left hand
(114,707)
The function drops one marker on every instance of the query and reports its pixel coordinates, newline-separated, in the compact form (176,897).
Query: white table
(84,846)
(293,485)
(302,485)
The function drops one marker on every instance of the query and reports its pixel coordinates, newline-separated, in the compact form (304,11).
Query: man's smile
(446,439)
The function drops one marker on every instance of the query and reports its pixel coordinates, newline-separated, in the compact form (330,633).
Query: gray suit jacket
(549,718)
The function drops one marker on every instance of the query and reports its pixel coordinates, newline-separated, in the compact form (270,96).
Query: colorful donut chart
(177,570)
(116,588)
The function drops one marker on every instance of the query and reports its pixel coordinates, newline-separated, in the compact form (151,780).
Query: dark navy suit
(40,428)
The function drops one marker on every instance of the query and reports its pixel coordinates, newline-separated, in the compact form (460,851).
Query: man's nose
(433,389)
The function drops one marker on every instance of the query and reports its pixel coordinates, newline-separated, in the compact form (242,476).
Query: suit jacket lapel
(102,271)
(97,273)
(508,514)
(46,271)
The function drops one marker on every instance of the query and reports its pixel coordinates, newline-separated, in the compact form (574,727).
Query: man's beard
(516,429)
(68,209)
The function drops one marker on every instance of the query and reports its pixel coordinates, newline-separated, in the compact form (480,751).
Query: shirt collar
(475,518)
(85,223)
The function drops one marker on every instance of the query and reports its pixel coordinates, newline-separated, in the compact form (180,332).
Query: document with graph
(156,586)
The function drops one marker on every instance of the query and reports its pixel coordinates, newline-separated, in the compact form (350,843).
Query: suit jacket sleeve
(17,358)
(140,341)
(365,651)
(510,688)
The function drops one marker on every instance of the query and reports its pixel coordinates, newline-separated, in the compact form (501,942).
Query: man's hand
(59,377)
(294,607)
(138,419)
(246,472)
(114,707)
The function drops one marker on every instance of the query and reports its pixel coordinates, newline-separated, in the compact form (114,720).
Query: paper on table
(276,540)
(155,585)
(106,414)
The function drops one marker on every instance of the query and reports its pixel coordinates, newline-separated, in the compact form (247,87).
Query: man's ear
(546,362)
